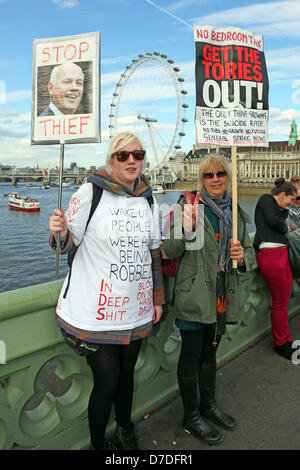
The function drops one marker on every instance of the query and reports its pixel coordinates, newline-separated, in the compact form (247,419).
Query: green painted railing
(45,387)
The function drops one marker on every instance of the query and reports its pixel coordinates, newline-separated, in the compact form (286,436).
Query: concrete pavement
(259,388)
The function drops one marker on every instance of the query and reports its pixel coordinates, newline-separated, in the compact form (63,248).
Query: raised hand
(189,214)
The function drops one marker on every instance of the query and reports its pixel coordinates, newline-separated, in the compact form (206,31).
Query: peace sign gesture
(189,214)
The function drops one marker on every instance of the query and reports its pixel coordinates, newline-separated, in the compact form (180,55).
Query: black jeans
(197,348)
(113,371)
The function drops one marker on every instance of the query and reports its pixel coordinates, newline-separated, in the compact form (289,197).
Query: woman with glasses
(114,291)
(206,295)
(270,240)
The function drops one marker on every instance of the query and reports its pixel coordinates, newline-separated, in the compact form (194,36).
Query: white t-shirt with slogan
(111,286)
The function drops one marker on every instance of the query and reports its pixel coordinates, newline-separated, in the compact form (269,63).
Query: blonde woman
(206,295)
(114,291)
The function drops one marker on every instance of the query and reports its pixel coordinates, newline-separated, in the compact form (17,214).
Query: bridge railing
(45,387)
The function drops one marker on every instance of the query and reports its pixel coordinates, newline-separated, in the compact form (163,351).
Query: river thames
(25,256)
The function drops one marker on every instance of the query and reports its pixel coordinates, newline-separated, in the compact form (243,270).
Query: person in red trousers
(273,260)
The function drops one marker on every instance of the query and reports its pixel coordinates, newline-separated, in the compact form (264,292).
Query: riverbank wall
(242,188)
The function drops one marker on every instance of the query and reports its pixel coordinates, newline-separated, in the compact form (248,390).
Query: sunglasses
(297,198)
(123,155)
(210,175)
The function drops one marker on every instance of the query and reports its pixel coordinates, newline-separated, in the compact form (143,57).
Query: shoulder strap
(97,193)
(150,201)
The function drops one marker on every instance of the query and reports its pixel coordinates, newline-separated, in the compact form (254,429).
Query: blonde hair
(118,142)
(214,160)
(295,181)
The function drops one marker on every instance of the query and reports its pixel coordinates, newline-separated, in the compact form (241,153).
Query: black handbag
(294,256)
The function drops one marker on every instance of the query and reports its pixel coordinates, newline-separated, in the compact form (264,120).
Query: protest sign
(231,87)
(65,89)
(65,95)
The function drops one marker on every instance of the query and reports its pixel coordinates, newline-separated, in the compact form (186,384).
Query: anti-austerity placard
(232,87)
(66,90)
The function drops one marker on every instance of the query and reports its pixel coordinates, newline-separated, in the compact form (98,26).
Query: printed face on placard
(66,91)
(127,172)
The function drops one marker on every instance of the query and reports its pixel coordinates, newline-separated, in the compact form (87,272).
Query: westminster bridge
(45,387)
(42,175)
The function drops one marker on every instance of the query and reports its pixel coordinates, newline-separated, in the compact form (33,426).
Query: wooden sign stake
(234,198)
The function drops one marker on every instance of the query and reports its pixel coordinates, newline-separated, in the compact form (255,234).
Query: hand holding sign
(236,251)
(58,224)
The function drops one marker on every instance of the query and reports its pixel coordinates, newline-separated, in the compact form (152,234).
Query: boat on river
(158,190)
(31,186)
(21,203)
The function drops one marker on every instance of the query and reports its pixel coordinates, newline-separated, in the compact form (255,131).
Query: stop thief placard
(232,87)
(66,89)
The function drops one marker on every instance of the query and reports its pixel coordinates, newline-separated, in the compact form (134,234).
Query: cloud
(280,132)
(280,122)
(7,133)
(109,78)
(284,57)
(116,60)
(66,3)
(285,116)
(288,29)
(9,118)
(283,64)
(19,151)
(20,95)
(270,19)
(7,112)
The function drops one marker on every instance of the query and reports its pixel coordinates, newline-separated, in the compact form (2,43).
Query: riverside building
(255,164)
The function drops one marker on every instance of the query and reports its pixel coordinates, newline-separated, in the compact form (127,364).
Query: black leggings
(113,370)
(197,348)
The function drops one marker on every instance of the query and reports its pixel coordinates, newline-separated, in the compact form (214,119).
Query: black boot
(285,350)
(124,439)
(106,446)
(193,423)
(208,407)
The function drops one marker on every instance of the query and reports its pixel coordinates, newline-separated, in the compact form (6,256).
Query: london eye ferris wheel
(149,98)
